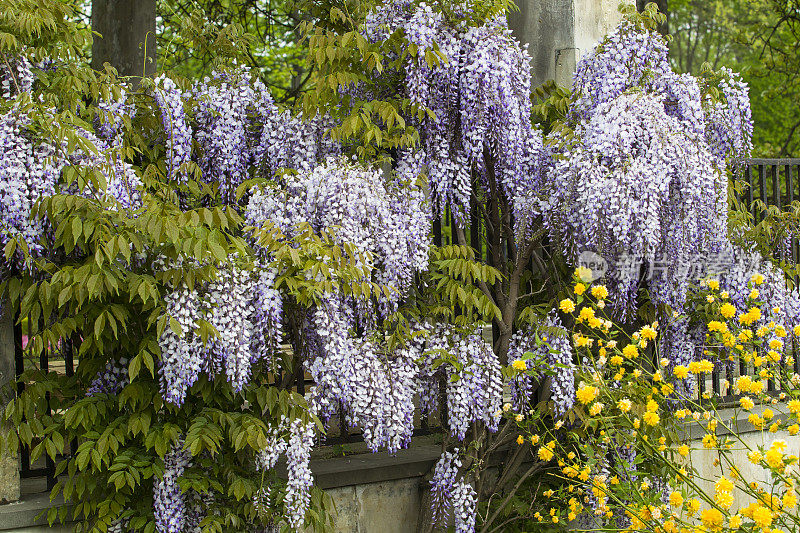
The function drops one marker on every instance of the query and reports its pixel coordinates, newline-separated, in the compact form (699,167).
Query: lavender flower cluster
(644,175)
(168,501)
(245,311)
(294,439)
(480,99)
(31,167)
(110,380)
(475,393)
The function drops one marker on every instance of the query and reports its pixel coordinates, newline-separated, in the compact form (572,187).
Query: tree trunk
(127,37)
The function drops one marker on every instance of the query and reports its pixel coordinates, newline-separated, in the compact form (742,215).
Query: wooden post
(9,462)
(127,37)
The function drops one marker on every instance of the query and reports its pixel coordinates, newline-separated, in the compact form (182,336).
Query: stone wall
(560,32)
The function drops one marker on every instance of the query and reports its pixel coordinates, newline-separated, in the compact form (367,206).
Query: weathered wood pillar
(559,32)
(127,38)
(9,462)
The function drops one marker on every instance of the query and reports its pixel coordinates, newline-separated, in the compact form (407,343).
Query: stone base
(9,475)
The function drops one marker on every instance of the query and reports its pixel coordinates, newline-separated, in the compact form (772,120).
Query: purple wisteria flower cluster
(169,502)
(479,96)
(295,440)
(644,174)
(31,168)
(246,313)
(474,390)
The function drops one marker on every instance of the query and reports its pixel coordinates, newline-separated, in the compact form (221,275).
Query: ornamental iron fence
(774,181)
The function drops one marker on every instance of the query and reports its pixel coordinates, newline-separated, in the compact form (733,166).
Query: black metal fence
(774,181)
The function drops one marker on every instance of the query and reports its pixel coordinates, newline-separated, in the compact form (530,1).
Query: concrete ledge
(736,419)
(372,467)
(29,511)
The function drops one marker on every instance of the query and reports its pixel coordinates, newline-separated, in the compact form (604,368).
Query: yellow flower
(712,519)
(580,288)
(684,450)
(727,310)
(794,406)
(616,360)
(596,408)
(716,325)
(651,418)
(630,351)
(681,372)
(586,313)
(754,456)
(676,499)
(534,439)
(762,516)
(600,291)
(796,330)
(586,394)
(709,441)
(758,279)
(710,299)
(624,405)
(724,295)
(545,454)
(746,403)
(723,485)
(793,429)
(776,344)
(692,506)
(735,521)
(753,294)
(520,365)
(648,333)
(790,499)
(567,305)
(520,440)
(712,284)
(774,458)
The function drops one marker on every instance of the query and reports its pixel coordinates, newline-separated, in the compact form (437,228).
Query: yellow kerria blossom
(600,291)
(624,405)
(776,344)
(520,439)
(712,519)
(596,408)
(681,372)
(648,333)
(758,279)
(630,351)
(794,406)
(580,288)
(723,485)
(616,360)
(676,499)
(545,453)
(586,394)
(520,365)
(727,310)
(713,284)
(735,521)
(651,418)
(762,516)
(684,450)
(746,403)
(753,294)
(567,305)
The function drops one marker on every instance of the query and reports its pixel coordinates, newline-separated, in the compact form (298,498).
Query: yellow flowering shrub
(621,458)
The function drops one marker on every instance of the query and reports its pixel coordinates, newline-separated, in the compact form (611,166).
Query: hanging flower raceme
(635,188)
(474,394)
(729,127)
(169,98)
(479,96)
(169,502)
